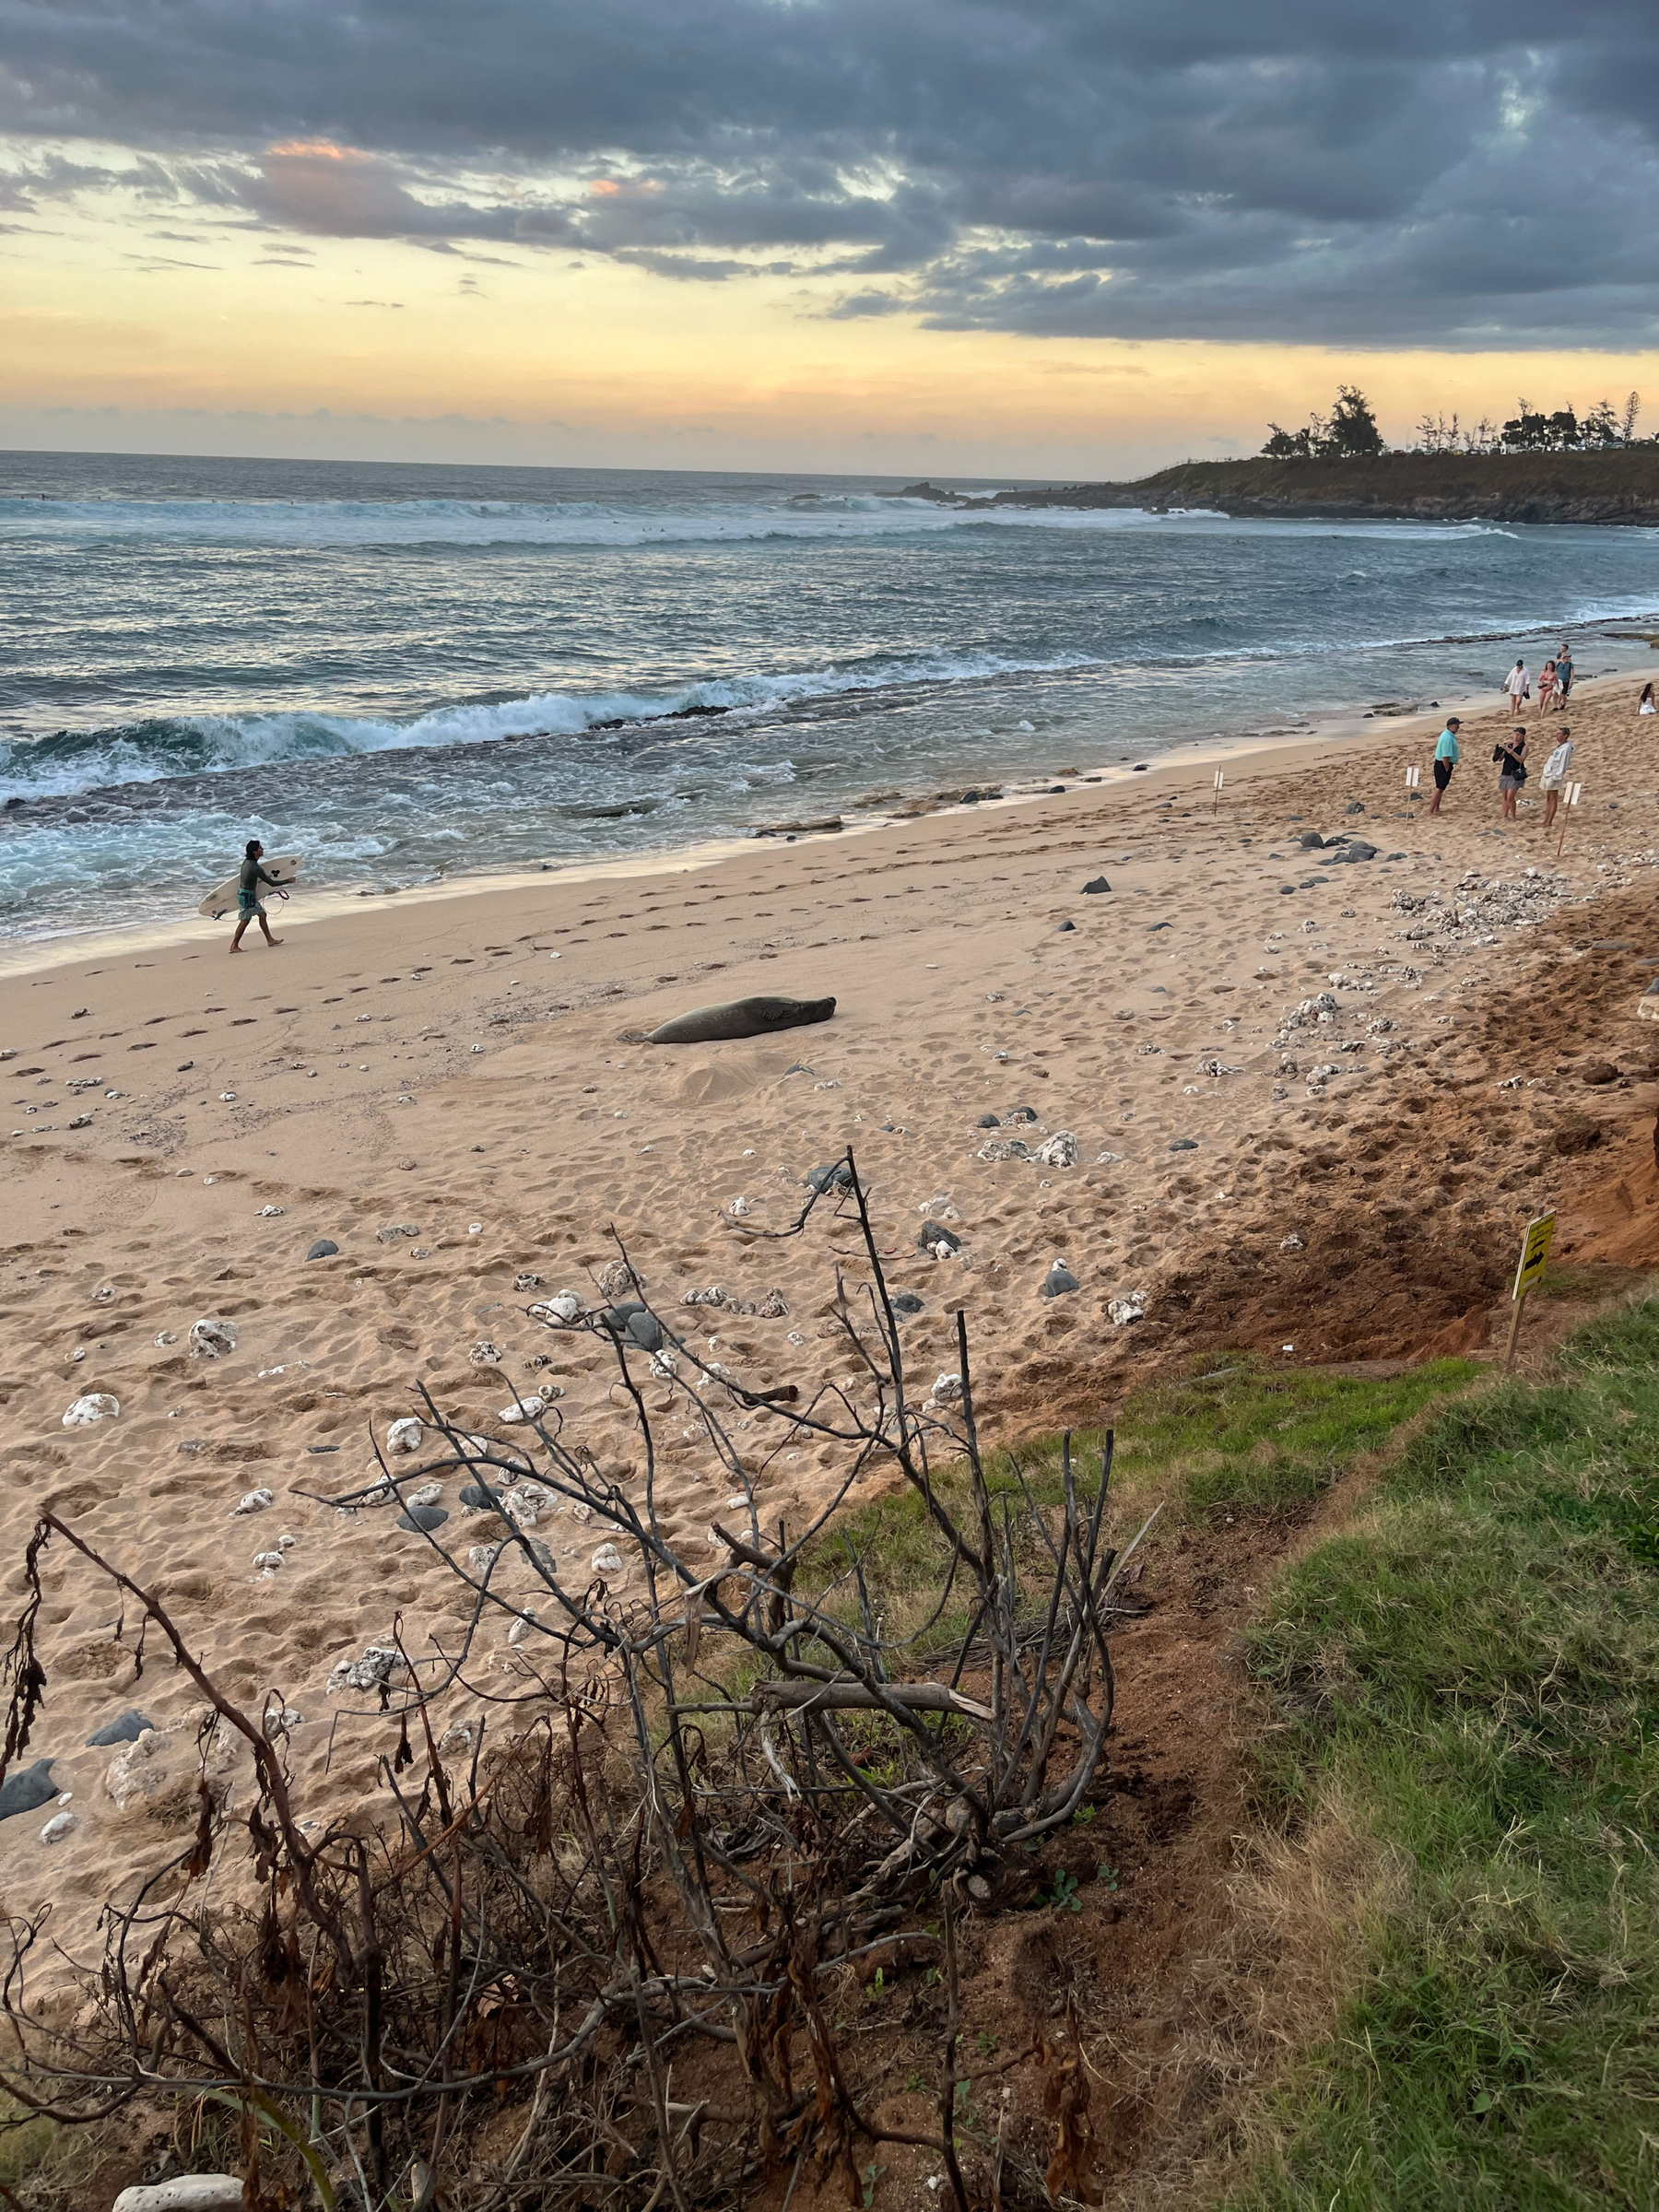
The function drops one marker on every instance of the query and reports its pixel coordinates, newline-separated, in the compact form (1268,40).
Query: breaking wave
(73,762)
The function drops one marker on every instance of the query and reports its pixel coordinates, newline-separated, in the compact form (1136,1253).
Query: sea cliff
(1620,485)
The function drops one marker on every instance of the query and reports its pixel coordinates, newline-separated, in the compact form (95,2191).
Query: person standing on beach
(1564,673)
(1446,757)
(1510,756)
(248,906)
(1555,771)
(1547,688)
(1517,685)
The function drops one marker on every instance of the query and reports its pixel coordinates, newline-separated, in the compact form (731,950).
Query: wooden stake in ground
(1216,802)
(1534,1258)
(1569,799)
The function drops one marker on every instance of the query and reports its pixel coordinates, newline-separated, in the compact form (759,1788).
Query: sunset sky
(821,234)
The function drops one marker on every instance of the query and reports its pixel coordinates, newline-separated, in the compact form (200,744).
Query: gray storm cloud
(1344,173)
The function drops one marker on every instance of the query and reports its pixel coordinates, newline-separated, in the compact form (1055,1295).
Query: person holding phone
(1510,753)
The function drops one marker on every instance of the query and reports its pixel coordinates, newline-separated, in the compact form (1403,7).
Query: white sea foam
(326,523)
(213,745)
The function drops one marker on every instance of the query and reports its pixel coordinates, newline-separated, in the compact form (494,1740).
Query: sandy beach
(1287,1101)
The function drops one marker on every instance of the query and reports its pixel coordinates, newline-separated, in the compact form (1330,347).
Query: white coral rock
(375,1666)
(96,1406)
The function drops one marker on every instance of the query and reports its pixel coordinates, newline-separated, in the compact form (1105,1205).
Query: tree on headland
(1436,435)
(1349,433)
(1352,434)
(1530,431)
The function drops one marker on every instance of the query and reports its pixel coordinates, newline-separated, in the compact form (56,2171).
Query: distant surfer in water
(249,905)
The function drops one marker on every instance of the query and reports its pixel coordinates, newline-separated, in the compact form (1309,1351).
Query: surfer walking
(250,907)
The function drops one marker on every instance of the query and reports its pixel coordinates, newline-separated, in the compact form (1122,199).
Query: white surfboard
(221,899)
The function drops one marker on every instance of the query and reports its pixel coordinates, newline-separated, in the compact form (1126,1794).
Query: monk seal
(740,1018)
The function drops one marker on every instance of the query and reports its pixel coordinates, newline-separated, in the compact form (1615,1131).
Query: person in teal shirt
(1446,757)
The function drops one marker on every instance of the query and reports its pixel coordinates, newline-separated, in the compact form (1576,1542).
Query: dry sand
(1349,1188)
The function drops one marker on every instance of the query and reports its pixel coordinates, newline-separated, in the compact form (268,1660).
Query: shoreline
(1339,726)
(1248,1096)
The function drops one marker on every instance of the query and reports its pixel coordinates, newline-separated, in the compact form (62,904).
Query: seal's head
(794,1013)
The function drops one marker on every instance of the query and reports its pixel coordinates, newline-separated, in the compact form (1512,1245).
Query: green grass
(1238,1436)
(1238,1439)
(1566,1280)
(1255,1441)
(26,2144)
(1475,1675)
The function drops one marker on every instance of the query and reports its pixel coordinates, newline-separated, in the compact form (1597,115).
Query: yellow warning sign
(1534,1254)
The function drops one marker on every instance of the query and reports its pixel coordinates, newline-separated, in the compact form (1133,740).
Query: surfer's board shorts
(1442,773)
(248,905)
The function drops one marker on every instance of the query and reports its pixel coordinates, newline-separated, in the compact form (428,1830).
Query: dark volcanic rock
(127,1730)
(27,1792)
(934,1233)
(635,1321)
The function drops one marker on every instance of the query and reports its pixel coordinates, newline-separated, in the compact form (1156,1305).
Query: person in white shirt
(1556,770)
(1518,685)
(1644,705)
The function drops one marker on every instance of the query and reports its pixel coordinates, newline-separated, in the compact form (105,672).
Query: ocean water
(408,673)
